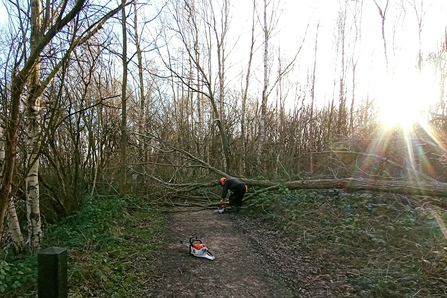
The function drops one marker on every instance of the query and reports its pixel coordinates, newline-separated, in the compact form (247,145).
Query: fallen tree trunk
(428,188)
(256,187)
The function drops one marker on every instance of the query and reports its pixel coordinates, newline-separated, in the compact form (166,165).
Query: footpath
(240,268)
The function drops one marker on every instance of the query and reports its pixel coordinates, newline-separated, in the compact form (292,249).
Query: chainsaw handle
(194,239)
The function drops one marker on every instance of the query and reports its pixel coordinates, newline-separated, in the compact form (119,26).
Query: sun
(403,112)
(406,99)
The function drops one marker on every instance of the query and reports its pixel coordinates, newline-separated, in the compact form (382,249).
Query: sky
(3,15)
(297,21)
(401,84)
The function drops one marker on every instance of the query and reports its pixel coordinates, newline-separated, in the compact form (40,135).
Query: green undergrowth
(362,244)
(111,247)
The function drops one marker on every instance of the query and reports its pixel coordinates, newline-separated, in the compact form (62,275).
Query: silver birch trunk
(18,242)
(33,109)
(32,184)
(24,73)
(12,219)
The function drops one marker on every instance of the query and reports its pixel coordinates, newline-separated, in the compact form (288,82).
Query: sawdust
(242,267)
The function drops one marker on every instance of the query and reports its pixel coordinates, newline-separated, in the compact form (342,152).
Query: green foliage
(115,239)
(370,244)
(16,273)
(111,242)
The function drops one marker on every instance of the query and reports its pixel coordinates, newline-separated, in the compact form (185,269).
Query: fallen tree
(428,188)
(195,194)
(187,193)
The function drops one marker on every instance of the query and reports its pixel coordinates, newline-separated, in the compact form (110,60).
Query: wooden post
(52,273)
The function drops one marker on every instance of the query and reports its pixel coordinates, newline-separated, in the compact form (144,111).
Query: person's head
(222,180)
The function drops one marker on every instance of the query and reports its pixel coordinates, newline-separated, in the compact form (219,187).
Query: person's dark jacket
(234,185)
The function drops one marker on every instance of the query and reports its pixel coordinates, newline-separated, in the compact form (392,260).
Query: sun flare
(400,113)
(406,100)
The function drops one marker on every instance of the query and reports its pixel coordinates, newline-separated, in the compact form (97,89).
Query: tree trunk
(17,85)
(220,40)
(14,229)
(382,13)
(341,126)
(33,109)
(311,136)
(142,115)
(2,153)
(351,116)
(436,189)
(124,106)
(221,72)
(19,78)
(245,92)
(12,219)
(32,184)
(358,11)
(264,90)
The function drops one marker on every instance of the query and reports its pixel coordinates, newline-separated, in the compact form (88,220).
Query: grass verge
(111,246)
(361,244)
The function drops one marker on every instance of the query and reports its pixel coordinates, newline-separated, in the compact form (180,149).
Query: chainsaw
(227,202)
(223,203)
(222,209)
(198,249)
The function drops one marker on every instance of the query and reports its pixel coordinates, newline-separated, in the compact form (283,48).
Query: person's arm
(225,190)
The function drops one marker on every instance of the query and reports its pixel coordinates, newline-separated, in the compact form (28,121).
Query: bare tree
(124,102)
(12,219)
(420,13)
(357,19)
(221,39)
(311,118)
(142,114)
(267,31)
(33,109)
(245,90)
(268,28)
(2,152)
(199,34)
(382,13)
(18,242)
(22,72)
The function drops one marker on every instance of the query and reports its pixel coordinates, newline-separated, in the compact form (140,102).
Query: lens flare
(406,99)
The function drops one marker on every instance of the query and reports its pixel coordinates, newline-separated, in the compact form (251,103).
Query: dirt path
(239,270)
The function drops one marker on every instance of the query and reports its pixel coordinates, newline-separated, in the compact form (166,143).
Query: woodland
(159,99)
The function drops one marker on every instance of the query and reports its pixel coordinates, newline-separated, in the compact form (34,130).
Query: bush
(16,273)
(370,244)
(111,242)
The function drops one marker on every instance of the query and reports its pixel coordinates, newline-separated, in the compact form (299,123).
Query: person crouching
(237,191)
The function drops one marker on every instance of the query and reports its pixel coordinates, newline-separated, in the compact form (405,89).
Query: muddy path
(241,267)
